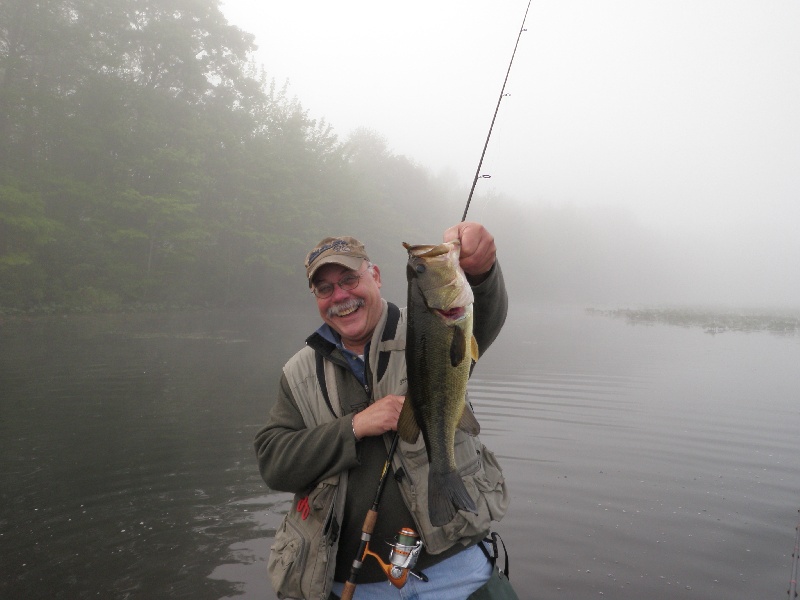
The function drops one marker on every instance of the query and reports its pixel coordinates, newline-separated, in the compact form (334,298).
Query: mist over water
(609,257)
(646,153)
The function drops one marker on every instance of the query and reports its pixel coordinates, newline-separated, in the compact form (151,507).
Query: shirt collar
(329,334)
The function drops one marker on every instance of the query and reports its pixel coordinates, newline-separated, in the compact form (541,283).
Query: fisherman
(327,436)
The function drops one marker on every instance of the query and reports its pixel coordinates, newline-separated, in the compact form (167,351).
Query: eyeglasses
(348,282)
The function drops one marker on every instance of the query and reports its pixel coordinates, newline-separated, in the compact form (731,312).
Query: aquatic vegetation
(783,322)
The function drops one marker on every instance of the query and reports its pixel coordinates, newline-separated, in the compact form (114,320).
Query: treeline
(145,160)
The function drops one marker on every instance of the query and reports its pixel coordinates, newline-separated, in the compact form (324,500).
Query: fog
(657,143)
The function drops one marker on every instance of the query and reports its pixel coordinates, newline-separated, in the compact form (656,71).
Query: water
(643,461)
(647,461)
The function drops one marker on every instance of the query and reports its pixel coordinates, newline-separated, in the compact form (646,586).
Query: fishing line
(497,108)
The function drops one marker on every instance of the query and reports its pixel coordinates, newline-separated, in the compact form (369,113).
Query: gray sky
(687,113)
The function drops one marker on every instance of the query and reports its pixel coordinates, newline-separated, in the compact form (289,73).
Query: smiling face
(355,313)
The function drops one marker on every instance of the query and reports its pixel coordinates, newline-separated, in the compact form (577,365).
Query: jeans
(452,579)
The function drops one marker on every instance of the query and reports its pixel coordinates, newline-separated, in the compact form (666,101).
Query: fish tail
(446,494)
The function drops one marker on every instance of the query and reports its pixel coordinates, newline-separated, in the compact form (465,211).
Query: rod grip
(348,591)
(369,521)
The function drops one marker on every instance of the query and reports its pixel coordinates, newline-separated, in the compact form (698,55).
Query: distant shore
(783,322)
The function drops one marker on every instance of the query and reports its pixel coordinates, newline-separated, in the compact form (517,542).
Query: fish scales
(439,354)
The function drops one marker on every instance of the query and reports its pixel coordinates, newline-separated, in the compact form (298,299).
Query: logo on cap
(338,246)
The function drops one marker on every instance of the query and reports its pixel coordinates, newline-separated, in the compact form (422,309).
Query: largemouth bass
(439,354)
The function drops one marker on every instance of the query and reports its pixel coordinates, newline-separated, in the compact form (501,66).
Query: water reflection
(247,565)
(126,443)
(643,461)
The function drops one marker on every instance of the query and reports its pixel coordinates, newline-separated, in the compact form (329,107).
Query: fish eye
(420,268)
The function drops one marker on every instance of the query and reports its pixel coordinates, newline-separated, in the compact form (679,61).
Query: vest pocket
(299,558)
(287,559)
(492,484)
(484,481)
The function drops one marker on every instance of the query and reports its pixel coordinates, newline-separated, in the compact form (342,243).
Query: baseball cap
(342,250)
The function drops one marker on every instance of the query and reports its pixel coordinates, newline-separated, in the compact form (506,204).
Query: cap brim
(349,262)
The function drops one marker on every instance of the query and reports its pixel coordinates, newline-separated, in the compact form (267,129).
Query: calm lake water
(643,461)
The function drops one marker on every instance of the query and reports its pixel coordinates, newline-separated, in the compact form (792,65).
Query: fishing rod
(497,108)
(405,550)
(795,560)
(407,546)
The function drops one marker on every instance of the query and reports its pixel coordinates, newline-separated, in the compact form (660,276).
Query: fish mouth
(452,314)
(431,250)
(346,308)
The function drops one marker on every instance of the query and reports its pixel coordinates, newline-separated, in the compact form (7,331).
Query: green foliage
(154,164)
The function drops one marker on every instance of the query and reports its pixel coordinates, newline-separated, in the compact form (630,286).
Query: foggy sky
(684,114)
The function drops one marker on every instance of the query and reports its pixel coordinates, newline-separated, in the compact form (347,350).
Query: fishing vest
(303,557)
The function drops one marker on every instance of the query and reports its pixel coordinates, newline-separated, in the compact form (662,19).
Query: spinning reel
(402,557)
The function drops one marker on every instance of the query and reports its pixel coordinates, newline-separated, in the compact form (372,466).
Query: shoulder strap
(495,554)
(392,318)
(323,386)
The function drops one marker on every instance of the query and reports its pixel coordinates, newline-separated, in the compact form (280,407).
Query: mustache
(345,307)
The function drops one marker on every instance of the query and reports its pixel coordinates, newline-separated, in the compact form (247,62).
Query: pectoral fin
(458,347)
(407,426)
(468,422)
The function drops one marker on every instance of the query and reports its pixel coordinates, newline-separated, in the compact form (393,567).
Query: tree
(143,158)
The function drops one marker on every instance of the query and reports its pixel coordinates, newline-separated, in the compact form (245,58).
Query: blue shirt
(354,361)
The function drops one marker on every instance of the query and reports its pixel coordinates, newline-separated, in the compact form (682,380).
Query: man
(327,436)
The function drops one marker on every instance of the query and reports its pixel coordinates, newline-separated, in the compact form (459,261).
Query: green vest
(302,559)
